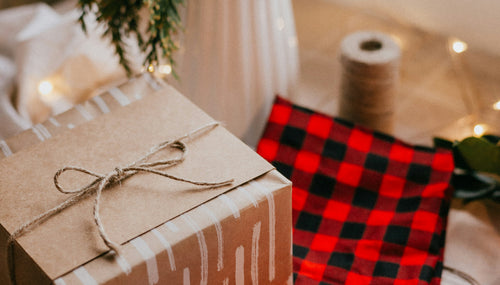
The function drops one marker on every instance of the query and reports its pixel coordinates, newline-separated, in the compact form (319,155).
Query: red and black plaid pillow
(367,208)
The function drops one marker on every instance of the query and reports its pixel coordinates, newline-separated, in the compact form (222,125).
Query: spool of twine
(370,76)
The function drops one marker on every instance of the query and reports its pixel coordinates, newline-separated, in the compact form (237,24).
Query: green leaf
(480,154)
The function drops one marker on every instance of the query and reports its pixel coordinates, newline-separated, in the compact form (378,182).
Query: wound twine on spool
(370,75)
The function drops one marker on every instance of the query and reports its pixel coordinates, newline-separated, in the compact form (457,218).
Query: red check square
(380,218)
(319,126)
(356,279)
(336,210)
(435,190)
(392,186)
(360,140)
(280,114)
(412,256)
(443,162)
(324,243)
(401,153)
(299,198)
(268,149)
(350,174)
(368,249)
(424,221)
(307,161)
(312,270)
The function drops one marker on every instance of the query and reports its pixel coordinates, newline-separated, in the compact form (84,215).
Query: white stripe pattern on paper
(225,282)
(290,280)
(59,281)
(185,277)
(248,195)
(220,237)
(54,122)
(272,227)
(43,130)
(151,81)
(240,266)
(5,148)
(101,104)
(203,248)
(167,247)
(255,253)
(230,203)
(149,257)
(37,133)
(123,263)
(84,276)
(85,114)
(119,96)
(171,226)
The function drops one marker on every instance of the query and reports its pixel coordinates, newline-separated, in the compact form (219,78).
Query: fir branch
(121,19)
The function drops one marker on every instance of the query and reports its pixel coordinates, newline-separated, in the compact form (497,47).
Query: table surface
(440,94)
(433,85)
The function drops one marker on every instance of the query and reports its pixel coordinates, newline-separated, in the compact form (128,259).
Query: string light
(151,68)
(165,69)
(480,129)
(458,46)
(45,88)
(496,106)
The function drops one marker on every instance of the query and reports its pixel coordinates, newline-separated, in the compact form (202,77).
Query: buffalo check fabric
(367,208)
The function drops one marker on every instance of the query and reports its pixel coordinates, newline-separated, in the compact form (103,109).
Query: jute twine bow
(104,181)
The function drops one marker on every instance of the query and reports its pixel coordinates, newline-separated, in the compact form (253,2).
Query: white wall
(475,22)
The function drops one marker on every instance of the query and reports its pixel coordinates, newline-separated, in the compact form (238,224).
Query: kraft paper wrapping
(103,103)
(155,226)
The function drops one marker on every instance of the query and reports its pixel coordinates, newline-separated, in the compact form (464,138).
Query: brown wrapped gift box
(169,232)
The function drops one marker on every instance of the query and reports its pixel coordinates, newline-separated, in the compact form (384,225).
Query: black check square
(342,260)
(365,198)
(293,137)
(308,222)
(406,205)
(322,185)
(419,173)
(437,243)
(397,234)
(334,150)
(283,168)
(426,273)
(352,230)
(386,269)
(376,162)
(300,251)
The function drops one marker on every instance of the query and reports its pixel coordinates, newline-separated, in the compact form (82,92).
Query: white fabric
(38,43)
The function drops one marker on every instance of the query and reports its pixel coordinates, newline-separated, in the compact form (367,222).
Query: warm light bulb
(165,69)
(459,46)
(151,68)
(479,129)
(45,88)
(496,106)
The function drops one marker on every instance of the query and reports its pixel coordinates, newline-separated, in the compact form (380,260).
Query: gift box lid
(139,203)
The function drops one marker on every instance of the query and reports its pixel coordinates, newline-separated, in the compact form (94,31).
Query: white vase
(235,56)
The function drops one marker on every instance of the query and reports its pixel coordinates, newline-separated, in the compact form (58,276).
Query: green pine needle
(121,20)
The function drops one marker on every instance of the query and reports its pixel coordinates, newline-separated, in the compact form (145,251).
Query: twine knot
(119,173)
(104,181)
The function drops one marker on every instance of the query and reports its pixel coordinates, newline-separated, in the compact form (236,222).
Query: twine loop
(104,181)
